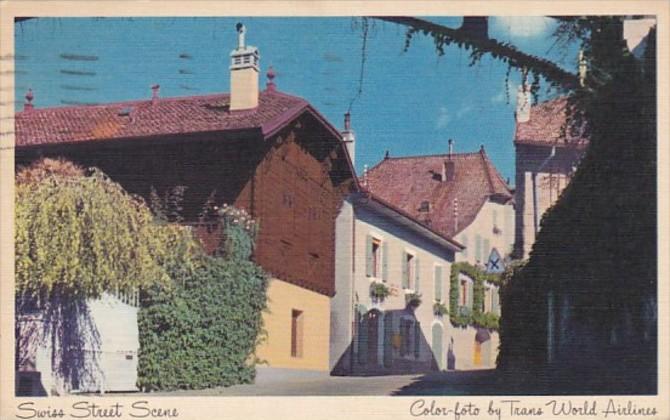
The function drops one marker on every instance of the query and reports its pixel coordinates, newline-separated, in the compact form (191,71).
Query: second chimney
(349,138)
(243,74)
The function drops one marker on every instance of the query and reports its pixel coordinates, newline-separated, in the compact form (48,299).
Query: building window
(408,271)
(376,256)
(297,333)
(463,295)
(376,265)
(438,283)
(425,206)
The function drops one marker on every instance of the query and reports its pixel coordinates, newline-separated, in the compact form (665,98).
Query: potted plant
(440,309)
(413,299)
(379,291)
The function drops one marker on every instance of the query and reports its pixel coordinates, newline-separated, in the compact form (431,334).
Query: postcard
(334,209)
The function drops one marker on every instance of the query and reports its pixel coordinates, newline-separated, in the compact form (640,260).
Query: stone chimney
(349,138)
(243,74)
(154,94)
(523,102)
(28,105)
(448,166)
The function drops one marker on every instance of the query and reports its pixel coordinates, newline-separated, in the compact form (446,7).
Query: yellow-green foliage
(83,235)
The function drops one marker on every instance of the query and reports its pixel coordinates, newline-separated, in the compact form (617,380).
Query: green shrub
(202,334)
(379,291)
(203,331)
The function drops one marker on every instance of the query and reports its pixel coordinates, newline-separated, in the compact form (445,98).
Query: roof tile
(406,182)
(166,116)
(546,124)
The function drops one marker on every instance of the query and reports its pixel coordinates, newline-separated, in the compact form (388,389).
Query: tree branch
(505,52)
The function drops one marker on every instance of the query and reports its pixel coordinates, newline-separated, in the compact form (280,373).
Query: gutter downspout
(536,217)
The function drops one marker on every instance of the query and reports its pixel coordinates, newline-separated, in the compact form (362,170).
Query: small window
(376,257)
(425,207)
(463,296)
(409,281)
(297,334)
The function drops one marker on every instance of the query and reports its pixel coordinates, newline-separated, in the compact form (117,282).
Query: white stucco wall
(399,239)
(113,345)
(490,215)
(341,305)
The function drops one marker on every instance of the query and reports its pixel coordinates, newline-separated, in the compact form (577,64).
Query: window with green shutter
(487,251)
(368,256)
(464,242)
(438,282)
(385,261)
(405,270)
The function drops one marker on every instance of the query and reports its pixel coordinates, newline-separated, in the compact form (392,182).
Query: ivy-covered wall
(462,316)
(203,330)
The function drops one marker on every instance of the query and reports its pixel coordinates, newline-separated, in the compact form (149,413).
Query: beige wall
(483,225)
(283,298)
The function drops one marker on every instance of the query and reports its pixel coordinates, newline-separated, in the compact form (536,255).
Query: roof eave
(371,200)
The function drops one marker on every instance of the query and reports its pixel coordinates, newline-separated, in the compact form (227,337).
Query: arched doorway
(437,345)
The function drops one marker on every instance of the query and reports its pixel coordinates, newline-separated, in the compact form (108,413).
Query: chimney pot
(243,74)
(349,137)
(154,93)
(270,85)
(451,147)
(28,105)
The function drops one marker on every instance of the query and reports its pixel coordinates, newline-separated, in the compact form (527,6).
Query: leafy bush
(413,299)
(379,291)
(203,333)
(440,309)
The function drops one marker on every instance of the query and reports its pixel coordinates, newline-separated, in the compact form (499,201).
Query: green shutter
(478,247)
(495,299)
(417,275)
(438,282)
(464,242)
(385,261)
(470,294)
(368,256)
(405,274)
(487,251)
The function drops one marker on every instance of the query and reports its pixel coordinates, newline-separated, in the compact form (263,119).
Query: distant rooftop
(409,182)
(546,125)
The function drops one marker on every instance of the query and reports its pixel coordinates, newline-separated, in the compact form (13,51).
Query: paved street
(479,382)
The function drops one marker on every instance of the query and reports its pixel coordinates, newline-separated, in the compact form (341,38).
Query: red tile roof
(406,182)
(168,116)
(547,121)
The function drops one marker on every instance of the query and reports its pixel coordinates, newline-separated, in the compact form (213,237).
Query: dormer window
(425,207)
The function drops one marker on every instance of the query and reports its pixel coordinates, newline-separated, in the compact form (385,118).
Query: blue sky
(411,103)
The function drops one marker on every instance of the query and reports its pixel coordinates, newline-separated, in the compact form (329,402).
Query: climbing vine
(462,316)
